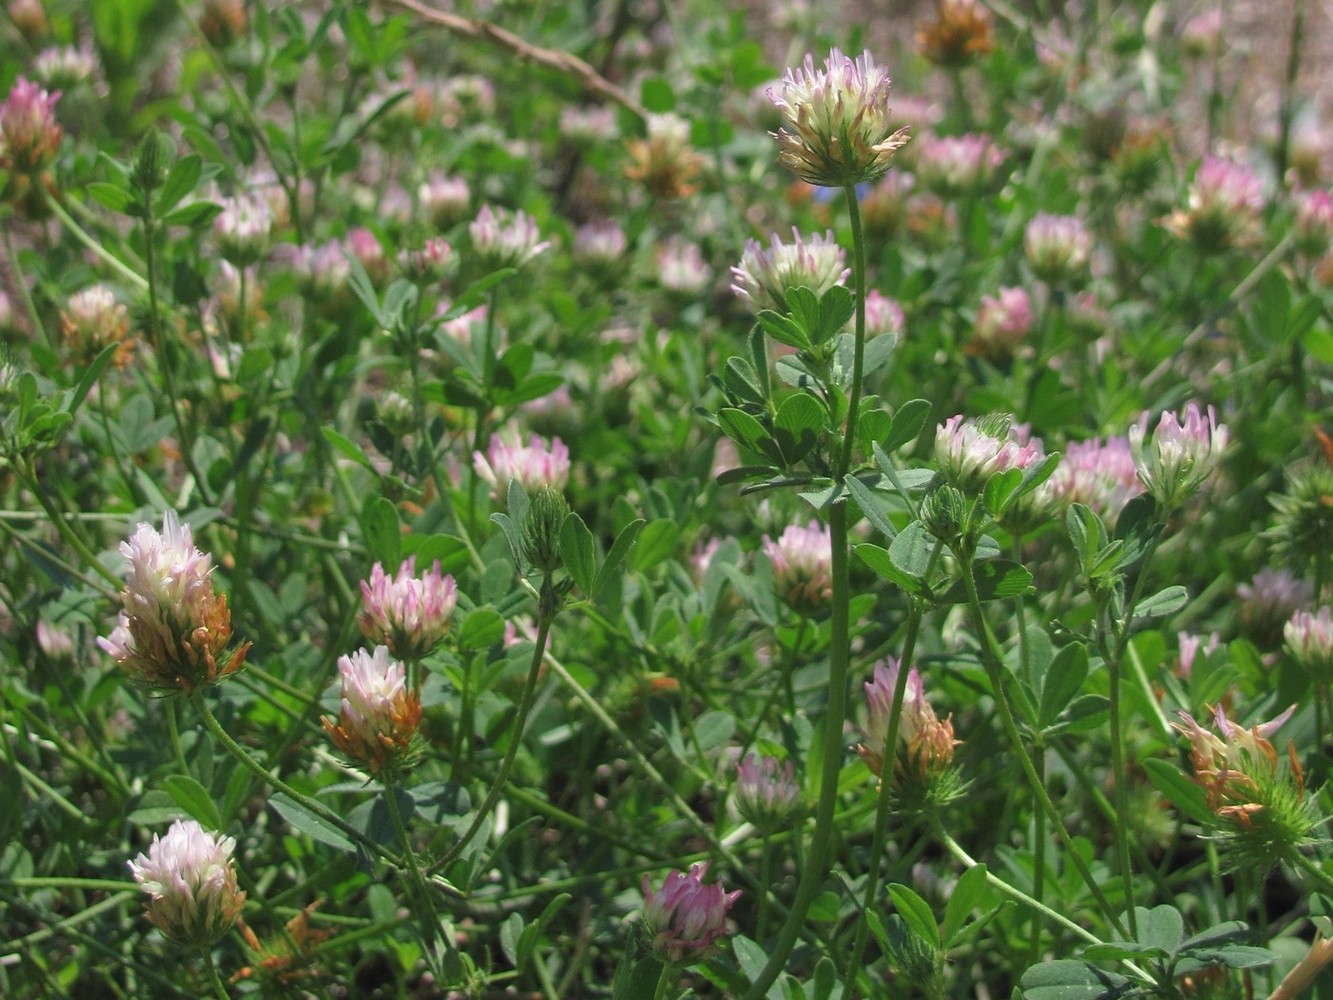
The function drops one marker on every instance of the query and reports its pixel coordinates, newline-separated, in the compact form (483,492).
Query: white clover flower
(408,614)
(191,883)
(505,239)
(765,273)
(836,126)
(1183,455)
(378,716)
(173,631)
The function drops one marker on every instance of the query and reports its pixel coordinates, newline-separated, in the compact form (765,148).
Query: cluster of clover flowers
(174,632)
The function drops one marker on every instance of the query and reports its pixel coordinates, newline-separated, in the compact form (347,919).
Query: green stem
(546,614)
(273,781)
(78,232)
(1313,870)
(765,880)
(665,981)
(1018,895)
(882,807)
(432,923)
(994,672)
(816,858)
(22,282)
(1038,850)
(213,978)
(66,530)
(173,731)
(859,348)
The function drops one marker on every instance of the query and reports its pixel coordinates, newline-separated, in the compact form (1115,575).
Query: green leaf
(970,893)
(878,559)
(383,532)
(619,550)
(1233,956)
(1062,682)
(184,175)
(996,579)
(89,377)
(836,307)
(1069,980)
(783,329)
(1000,488)
(510,931)
(576,551)
(825,979)
(872,505)
(714,728)
(528,940)
(640,981)
(1164,602)
(657,95)
(482,628)
(1180,791)
(305,821)
(824,908)
(750,956)
(193,797)
(747,432)
(798,423)
(110,195)
(907,423)
(1161,927)
(911,550)
(347,447)
(917,914)
(656,544)
(740,380)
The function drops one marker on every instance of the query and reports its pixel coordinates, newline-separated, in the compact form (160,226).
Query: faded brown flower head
(664,162)
(960,33)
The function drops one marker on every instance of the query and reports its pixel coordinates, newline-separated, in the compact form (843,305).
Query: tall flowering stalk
(836,132)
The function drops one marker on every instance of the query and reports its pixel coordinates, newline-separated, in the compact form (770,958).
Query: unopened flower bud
(540,532)
(1309,640)
(152,160)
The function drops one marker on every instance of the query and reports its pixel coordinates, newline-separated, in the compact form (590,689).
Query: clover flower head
(505,239)
(1309,640)
(765,273)
(534,465)
(173,630)
(766,792)
(1099,474)
(685,917)
(1184,454)
(29,133)
(956,165)
(1003,323)
(429,262)
(970,451)
(1057,247)
(681,266)
(600,243)
(378,715)
(407,613)
(1222,207)
(191,883)
(924,746)
(65,67)
(445,200)
(93,319)
(663,161)
(802,560)
(836,127)
(242,229)
(960,33)
(1313,223)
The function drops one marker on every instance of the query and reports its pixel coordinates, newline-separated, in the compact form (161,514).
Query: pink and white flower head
(924,744)
(365,246)
(1201,35)
(429,262)
(958,164)
(1099,474)
(1222,208)
(802,559)
(408,614)
(836,128)
(29,134)
(322,270)
(1183,454)
(883,315)
(766,792)
(91,320)
(1269,600)
(242,229)
(584,126)
(534,465)
(1057,247)
(1313,224)
(445,200)
(65,67)
(173,631)
(1003,324)
(505,239)
(970,451)
(765,273)
(378,714)
(681,267)
(190,880)
(685,917)
(1309,640)
(600,243)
